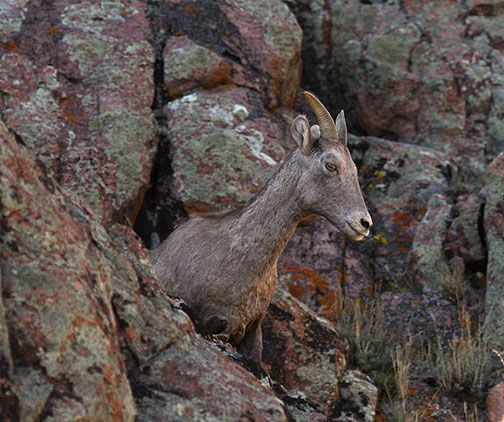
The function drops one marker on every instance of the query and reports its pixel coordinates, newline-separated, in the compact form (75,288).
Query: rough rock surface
(418,317)
(311,266)
(192,381)
(405,187)
(426,72)
(254,44)
(303,352)
(222,149)
(188,66)
(82,312)
(427,256)
(466,234)
(319,265)
(64,355)
(399,180)
(494,229)
(359,398)
(76,85)
(300,410)
(82,316)
(218,156)
(495,403)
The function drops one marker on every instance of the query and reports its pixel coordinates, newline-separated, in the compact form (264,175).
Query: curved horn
(325,121)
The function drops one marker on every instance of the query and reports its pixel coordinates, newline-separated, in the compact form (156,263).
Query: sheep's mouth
(357,234)
(349,230)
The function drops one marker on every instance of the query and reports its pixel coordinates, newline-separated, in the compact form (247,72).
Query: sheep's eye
(330,166)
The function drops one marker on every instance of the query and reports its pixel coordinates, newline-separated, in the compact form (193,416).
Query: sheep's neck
(267,222)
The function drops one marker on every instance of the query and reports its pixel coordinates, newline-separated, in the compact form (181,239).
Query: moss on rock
(218,158)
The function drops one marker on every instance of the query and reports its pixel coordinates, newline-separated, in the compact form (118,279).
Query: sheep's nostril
(365,223)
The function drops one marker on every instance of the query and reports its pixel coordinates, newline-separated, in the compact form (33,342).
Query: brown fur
(225,265)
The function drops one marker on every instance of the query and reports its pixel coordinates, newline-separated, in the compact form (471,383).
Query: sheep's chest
(253,303)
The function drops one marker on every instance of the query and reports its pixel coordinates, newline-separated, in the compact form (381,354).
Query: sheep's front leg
(252,345)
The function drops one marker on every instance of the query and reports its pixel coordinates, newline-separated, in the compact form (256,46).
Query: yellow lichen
(381,239)
(379,174)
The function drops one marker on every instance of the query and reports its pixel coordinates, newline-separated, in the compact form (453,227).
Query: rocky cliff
(120,119)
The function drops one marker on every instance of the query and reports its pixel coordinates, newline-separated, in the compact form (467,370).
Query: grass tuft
(463,364)
(460,365)
(453,284)
(362,325)
(471,415)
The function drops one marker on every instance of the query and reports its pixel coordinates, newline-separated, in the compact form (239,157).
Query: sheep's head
(329,184)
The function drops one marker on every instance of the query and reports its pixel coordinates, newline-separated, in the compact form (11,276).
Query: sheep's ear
(341,128)
(303,134)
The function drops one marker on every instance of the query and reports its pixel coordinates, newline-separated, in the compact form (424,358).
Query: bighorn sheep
(225,265)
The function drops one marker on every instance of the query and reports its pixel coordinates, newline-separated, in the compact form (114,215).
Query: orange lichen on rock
(317,280)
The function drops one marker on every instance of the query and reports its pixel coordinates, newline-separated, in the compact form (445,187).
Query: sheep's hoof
(237,336)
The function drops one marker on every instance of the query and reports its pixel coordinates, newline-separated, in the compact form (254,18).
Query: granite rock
(495,403)
(302,351)
(64,355)
(359,398)
(220,149)
(76,86)
(494,230)
(245,43)
(428,72)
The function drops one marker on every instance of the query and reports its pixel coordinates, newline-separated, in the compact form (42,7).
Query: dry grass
(472,414)
(453,284)
(362,325)
(463,363)
(404,414)
(402,364)
(399,401)
(460,364)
